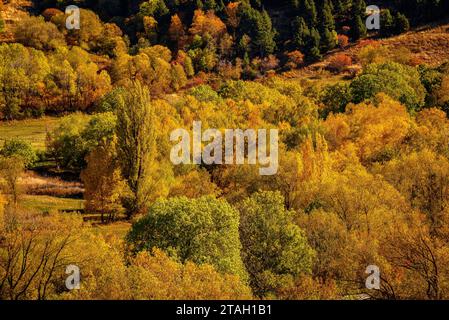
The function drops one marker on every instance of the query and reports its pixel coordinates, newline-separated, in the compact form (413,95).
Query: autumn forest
(224,150)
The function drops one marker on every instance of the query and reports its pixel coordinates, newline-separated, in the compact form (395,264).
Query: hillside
(12,12)
(428,45)
(220,150)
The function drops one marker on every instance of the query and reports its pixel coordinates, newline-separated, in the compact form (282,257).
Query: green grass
(31,130)
(47,203)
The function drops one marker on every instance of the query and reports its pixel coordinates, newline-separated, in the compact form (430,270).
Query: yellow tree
(194,184)
(423,179)
(11,170)
(207,23)
(301,173)
(137,150)
(377,129)
(156,276)
(177,32)
(103,182)
(34,253)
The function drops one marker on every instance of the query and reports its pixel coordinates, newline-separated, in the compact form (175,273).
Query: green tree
(265,34)
(358,28)
(358,8)
(203,231)
(301,32)
(328,39)
(19,148)
(313,45)
(308,10)
(153,8)
(327,20)
(398,81)
(335,97)
(274,247)
(387,22)
(136,145)
(401,23)
(76,136)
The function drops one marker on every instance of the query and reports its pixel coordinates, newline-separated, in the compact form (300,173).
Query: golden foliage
(207,23)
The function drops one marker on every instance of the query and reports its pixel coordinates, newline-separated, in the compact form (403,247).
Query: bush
(77,135)
(35,32)
(343,41)
(295,59)
(20,148)
(340,63)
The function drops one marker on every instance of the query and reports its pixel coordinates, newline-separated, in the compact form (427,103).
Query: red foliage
(343,41)
(49,13)
(295,58)
(340,62)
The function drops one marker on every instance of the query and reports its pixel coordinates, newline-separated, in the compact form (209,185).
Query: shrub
(295,59)
(339,63)
(77,135)
(20,148)
(343,41)
(39,34)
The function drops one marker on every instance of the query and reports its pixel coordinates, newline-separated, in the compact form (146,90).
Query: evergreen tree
(327,17)
(340,8)
(358,8)
(358,12)
(313,46)
(401,23)
(301,32)
(328,39)
(265,34)
(256,27)
(308,10)
(358,29)
(386,23)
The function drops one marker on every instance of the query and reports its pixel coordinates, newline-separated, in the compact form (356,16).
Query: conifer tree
(358,8)
(308,10)
(327,17)
(386,23)
(265,34)
(313,47)
(301,32)
(328,39)
(358,29)
(401,23)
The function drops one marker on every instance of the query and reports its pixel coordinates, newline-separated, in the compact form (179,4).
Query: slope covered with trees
(363,175)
